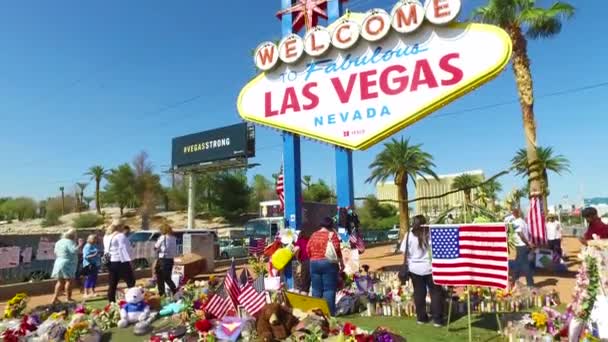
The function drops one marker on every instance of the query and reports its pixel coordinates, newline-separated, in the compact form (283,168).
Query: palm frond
(545,22)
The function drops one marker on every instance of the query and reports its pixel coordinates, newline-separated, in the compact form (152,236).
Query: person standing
(325,264)
(304,259)
(91,262)
(524,249)
(166,246)
(554,236)
(116,244)
(66,263)
(417,244)
(596,226)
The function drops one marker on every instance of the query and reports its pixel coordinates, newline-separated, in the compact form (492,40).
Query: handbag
(404,272)
(106,257)
(330,251)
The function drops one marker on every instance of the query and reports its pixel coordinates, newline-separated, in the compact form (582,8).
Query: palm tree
(62,189)
(514,198)
(490,190)
(97,173)
(81,187)
(522,19)
(401,161)
(307,181)
(547,161)
(466,182)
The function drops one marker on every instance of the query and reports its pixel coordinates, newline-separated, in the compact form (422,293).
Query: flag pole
(469,313)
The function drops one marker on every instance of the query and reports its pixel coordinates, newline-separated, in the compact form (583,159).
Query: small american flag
(536,222)
(257,245)
(475,255)
(245,277)
(218,305)
(252,300)
(231,285)
(280,188)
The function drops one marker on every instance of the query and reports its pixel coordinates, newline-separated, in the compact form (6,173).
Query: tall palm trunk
(404,214)
(523,78)
(77,202)
(97,201)
(467,204)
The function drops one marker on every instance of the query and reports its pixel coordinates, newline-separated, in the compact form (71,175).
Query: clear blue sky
(84,83)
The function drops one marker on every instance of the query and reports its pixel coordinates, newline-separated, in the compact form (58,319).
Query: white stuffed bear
(136,310)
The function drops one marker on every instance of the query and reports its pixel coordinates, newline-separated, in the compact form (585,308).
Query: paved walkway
(384,256)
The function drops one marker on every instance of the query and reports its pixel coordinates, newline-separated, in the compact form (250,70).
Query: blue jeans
(324,281)
(522,264)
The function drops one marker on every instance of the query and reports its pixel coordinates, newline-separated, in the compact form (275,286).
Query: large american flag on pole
(470,255)
(280,188)
(536,222)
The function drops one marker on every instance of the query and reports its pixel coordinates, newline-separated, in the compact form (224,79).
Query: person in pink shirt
(302,255)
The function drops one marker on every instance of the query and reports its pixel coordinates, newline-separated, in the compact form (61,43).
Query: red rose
(349,329)
(203,325)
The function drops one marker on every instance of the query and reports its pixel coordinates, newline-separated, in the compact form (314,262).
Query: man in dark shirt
(596,226)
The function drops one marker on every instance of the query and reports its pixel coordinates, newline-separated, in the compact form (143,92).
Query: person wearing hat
(116,244)
(596,226)
(325,262)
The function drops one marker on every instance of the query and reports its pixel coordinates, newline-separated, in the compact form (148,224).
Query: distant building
(432,207)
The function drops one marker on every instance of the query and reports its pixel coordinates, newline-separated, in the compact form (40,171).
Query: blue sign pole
(344,157)
(292,178)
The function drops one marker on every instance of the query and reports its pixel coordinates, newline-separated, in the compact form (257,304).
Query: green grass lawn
(484,327)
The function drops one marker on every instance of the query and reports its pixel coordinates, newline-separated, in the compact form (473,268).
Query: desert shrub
(87,221)
(51,219)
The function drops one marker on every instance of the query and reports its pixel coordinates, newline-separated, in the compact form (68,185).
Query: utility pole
(190,201)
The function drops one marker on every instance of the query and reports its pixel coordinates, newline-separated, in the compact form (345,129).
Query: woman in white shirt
(166,246)
(554,235)
(116,244)
(419,263)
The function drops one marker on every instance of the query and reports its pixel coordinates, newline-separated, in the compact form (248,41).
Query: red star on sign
(306,13)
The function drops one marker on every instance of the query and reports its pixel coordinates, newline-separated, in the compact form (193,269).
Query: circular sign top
(441,12)
(291,48)
(345,35)
(266,56)
(407,16)
(317,41)
(376,25)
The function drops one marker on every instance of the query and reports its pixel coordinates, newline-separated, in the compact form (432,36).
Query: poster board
(46,249)
(9,257)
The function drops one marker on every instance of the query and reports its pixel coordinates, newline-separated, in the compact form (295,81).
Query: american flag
(280,189)
(231,285)
(536,222)
(474,255)
(245,277)
(218,305)
(257,245)
(251,299)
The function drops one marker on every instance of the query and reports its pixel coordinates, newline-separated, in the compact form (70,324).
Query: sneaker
(437,325)
(420,322)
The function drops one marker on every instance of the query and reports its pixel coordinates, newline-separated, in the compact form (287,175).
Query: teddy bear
(135,310)
(275,322)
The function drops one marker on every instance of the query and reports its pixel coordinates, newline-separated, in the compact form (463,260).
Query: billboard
(236,141)
(367,76)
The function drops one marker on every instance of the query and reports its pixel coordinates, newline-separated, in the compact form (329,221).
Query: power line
(542,96)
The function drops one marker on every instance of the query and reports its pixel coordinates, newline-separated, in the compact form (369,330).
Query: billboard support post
(292,166)
(190,200)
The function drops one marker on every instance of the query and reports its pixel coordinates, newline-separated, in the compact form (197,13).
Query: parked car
(233,248)
(393,234)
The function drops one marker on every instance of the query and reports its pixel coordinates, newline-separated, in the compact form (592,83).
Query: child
(91,262)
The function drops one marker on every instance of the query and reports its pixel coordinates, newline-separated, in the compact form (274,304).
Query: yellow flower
(540,319)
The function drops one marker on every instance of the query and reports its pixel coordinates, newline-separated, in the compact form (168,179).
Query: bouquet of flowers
(108,317)
(15,306)
(26,326)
